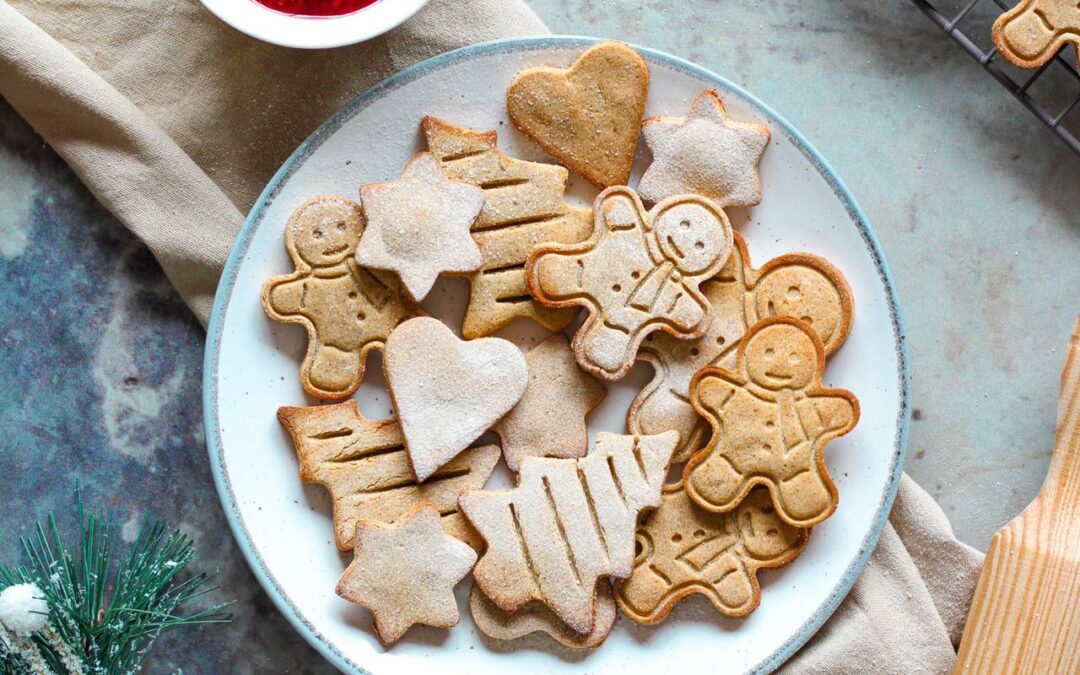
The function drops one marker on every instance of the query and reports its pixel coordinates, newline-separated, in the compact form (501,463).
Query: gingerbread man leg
(605,346)
(333,370)
(714,483)
(803,495)
(734,590)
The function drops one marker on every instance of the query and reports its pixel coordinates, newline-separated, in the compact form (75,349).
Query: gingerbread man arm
(711,390)
(838,413)
(284,296)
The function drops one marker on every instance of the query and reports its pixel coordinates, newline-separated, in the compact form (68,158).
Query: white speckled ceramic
(252,368)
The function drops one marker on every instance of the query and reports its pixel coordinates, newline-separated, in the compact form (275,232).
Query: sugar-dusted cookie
(704,152)
(523,206)
(1033,31)
(448,391)
(686,550)
(797,284)
(771,419)
(347,310)
(639,272)
(549,420)
(405,573)
(588,117)
(535,617)
(362,463)
(418,225)
(567,524)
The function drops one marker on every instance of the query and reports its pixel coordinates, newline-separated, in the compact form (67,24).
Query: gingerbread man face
(781,357)
(805,292)
(325,232)
(688,236)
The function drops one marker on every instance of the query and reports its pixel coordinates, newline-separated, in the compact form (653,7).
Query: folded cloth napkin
(176,122)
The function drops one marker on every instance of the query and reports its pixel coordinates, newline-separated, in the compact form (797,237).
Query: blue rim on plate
(251,224)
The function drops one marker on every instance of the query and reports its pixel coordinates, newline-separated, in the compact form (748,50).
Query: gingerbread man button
(346,309)
(639,272)
(771,420)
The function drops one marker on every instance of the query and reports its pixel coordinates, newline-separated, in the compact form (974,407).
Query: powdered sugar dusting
(705,153)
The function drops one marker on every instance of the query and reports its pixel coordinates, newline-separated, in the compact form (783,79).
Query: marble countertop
(971,197)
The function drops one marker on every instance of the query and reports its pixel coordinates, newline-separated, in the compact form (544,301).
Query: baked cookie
(418,225)
(771,419)
(567,524)
(535,617)
(686,550)
(405,573)
(362,463)
(448,391)
(1034,31)
(639,272)
(704,152)
(347,310)
(549,420)
(588,117)
(801,285)
(523,206)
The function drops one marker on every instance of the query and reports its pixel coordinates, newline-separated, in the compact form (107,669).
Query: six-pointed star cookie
(705,153)
(405,573)
(418,225)
(549,420)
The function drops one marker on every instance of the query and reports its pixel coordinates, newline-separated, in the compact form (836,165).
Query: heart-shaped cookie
(589,116)
(448,391)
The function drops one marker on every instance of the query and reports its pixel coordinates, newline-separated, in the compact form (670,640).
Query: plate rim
(536,43)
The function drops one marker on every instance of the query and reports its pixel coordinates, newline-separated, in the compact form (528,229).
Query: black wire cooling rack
(1051,92)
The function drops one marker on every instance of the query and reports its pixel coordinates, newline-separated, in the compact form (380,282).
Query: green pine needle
(106,607)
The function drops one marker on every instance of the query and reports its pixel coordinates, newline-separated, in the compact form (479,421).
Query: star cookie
(405,573)
(418,226)
(549,420)
(705,153)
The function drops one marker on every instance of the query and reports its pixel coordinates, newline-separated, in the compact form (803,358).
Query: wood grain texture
(1025,616)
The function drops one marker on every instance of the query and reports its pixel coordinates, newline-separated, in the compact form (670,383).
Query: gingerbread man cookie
(797,284)
(686,550)
(639,272)
(1033,31)
(346,309)
(771,420)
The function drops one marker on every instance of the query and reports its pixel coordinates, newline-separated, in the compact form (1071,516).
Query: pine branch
(106,608)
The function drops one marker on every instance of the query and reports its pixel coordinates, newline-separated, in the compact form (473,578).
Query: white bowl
(313,32)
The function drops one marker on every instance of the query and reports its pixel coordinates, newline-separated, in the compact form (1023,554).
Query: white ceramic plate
(252,366)
(318,32)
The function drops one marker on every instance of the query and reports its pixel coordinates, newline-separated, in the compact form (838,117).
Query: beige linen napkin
(176,122)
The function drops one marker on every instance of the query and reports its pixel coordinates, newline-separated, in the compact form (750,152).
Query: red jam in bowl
(316,7)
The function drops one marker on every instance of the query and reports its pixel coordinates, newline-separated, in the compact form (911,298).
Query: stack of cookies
(736,410)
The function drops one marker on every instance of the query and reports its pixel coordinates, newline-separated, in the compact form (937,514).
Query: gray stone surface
(972,198)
